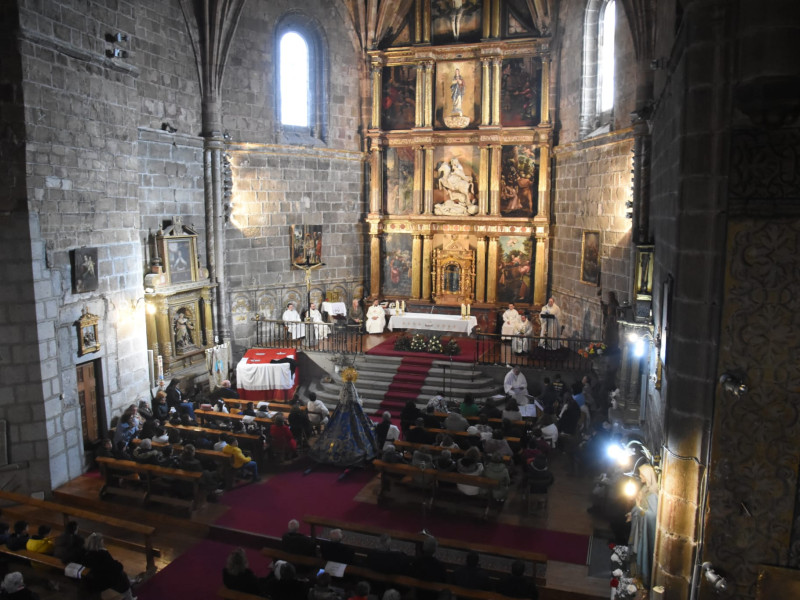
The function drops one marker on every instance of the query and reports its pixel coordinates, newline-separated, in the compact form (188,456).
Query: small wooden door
(87,398)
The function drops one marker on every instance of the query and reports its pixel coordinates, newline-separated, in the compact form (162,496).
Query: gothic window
(597,99)
(301,78)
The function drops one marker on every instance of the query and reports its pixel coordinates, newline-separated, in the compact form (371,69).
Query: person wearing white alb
(294,328)
(317,411)
(516,385)
(321,330)
(376,318)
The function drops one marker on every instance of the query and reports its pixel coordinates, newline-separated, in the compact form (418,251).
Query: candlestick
(160,368)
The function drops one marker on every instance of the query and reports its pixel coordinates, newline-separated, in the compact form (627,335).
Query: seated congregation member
(490,410)
(299,421)
(385,431)
(408,417)
(376,318)
(262,410)
(145,453)
(323,590)
(282,583)
(220,444)
(225,390)
(496,469)
(418,434)
(511,411)
(105,572)
(438,403)
(430,419)
(549,430)
(426,566)
(240,460)
(105,449)
(484,428)
(386,560)
(444,462)
(517,585)
(468,408)
(282,438)
(471,575)
(295,542)
(334,549)
(444,440)
(160,435)
(188,461)
(69,546)
(126,430)
(160,406)
(498,444)
(474,438)
(362,592)
(13,588)
(19,537)
(249,410)
(455,422)
(174,394)
(392,455)
(41,542)
(237,575)
(318,413)
(539,476)
(470,464)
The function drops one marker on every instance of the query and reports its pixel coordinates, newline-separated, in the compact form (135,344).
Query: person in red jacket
(283,441)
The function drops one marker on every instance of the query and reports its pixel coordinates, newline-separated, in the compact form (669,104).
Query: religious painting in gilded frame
(514,269)
(520,92)
(398,181)
(458,94)
(590,258)
(180,258)
(455,188)
(397,265)
(399,101)
(84,270)
(519,181)
(456,21)
(88,336)
(306,245)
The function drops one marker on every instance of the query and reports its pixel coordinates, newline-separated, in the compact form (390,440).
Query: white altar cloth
(253,373)
(448,323)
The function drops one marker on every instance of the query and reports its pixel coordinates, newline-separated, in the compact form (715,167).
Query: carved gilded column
(540,269)
(416,267)
(426,22)
(544,181)
(163,331)
(480,272)
(208,319)
(494,194)
(495,19)
(486,19)
(377,85)
(419,95)
(428,115)
(419,181)
(428,180)
(491,271)
(374,263)
(486,89)
(483,182)
(418,4)
(497,65)
(545,90)
(427,250)
(376,180)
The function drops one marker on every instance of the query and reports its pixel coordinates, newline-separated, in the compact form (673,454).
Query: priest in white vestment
(510,322)
(522,344)
(320,329)
(376,318)
(516,385)
(291,320)
(550,325)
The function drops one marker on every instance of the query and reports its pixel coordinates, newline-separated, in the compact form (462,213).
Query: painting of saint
(515,270)
(590,258)
(455,188)
(457,94)
(399,97)
(398,184)
(306,245)
(520,92)
(456,21)
(396,280)
(84,270)
(519,181)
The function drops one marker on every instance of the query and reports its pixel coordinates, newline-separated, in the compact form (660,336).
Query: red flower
(611,545)
(615,582)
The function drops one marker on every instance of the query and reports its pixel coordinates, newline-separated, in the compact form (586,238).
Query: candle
(160,368)
(463,310)
(467,309)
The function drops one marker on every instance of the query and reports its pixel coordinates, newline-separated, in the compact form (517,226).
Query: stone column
(480,271)
(491,271)
(427,248)
(208,322)
(494,194)
(416,266)
(486,89)
(376,71)
(483,182)
(427,193)
(215,230)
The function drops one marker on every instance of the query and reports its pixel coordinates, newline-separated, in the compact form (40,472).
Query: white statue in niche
(460,190)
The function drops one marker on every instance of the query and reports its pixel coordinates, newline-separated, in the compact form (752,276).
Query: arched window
(597,97)
(300,80)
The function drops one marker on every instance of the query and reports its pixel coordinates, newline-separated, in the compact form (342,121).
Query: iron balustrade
(319,337)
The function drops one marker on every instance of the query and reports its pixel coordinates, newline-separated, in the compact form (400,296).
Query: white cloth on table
(293,325)
(376,319)
(522,344)
(260,376)
(321,331)
(510,322)
(449,323)
(334,308)
(516,385)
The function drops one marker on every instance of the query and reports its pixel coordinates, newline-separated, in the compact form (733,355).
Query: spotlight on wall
(168,128)
(116,37)
(732,385)
(717,581)
(116,53)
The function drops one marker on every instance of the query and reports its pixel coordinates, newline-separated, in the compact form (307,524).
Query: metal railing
(319,337)
(538,352)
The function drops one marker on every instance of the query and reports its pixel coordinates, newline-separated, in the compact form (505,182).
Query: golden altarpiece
(460,140)
(178,294)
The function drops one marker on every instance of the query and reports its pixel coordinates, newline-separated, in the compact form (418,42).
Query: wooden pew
(429,480)
(280,407)
(68,513)
(493,421)
(212,415)
(460,435)
(229,594)
(39,558)
(536,559)
(431,449)
(149,475)
(250,443)
(223,461)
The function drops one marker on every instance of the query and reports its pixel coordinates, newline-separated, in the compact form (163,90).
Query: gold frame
(645,255)
(465,260)
(595,280)
(177,241)
(88,338)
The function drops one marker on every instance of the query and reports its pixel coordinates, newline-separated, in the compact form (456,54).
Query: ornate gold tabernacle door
(453,275)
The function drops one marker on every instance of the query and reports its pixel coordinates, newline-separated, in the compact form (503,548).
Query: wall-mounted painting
(519,181)
(399,97)
(456,21)
(458,92)
(84,270)
(520,92)
(396,280)
(88,336)
(398,183)
(306,245)
(515,269)
(590,258)
(455,187)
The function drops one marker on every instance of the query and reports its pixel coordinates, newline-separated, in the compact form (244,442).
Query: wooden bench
(280,407)
(429,481)
(39,558)
(404,581)
(536,559)
(68,513)
(462,435)
(224,462)
(213,415)
(150,476)
(431,449)
(494,420)
(229,594)
(250,442)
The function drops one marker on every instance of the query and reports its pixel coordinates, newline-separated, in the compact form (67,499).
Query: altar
(258,378)
(448,323)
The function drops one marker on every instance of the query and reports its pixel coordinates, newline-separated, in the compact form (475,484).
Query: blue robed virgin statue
(349,437)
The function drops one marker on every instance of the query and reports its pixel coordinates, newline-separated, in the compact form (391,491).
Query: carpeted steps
(407,384)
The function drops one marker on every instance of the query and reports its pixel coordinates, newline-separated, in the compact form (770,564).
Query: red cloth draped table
(257,379)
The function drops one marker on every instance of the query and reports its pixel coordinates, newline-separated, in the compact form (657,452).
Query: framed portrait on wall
(306,245)
(84,270)
(515,269)
(399,96)
(590,258)
(88,338)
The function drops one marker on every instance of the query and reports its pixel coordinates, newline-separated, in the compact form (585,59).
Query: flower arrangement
(403,343)
(593,349)
(452,348)
(623,586)
(435,345)
(419,343)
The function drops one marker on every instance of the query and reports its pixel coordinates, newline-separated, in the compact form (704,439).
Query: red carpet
(468,347)
(407,383)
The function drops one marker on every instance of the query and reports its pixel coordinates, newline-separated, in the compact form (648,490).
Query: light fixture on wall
(732,385)
(717,581)
(638,340)
(624,454)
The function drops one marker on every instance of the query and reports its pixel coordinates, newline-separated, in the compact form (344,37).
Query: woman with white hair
(13,586)
(105,572)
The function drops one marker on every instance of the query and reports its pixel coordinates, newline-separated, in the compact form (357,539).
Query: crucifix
(307,269)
